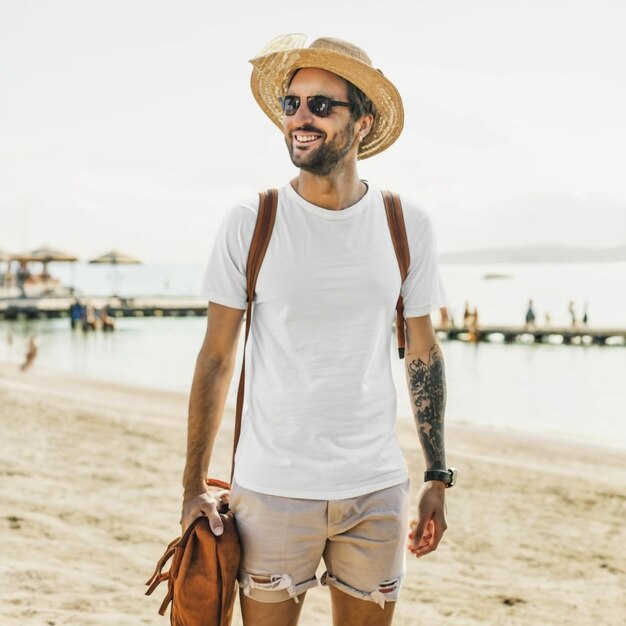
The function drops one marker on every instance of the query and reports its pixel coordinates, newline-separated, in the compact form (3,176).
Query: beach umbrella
(23,257)
(114,258)
(47,255)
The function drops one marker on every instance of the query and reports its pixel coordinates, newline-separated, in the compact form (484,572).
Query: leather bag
(202,579)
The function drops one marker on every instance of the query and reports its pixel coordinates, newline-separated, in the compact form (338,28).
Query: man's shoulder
(246,208)
(413,211)
(239,217)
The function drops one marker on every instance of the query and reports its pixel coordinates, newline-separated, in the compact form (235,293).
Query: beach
(90,496)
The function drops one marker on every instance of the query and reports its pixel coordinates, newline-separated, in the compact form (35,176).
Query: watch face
(453,473)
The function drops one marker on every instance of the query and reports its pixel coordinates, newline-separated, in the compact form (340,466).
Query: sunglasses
(320,106)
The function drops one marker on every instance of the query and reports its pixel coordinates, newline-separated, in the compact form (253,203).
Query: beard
(328,156)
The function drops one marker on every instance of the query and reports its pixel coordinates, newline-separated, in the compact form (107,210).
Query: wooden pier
(161,306)
(545,334)
(54,308)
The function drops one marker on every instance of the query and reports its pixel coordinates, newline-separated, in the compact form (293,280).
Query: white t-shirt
(320,404)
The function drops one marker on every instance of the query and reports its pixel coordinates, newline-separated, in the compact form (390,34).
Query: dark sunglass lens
(290,104)
(319,105)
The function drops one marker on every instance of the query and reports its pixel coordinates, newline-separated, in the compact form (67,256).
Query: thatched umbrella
(51,255)
(114,258)
(45,255)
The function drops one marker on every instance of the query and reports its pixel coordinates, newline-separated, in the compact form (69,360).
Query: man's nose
(303,115)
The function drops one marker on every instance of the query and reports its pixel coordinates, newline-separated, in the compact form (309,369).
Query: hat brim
(271,72)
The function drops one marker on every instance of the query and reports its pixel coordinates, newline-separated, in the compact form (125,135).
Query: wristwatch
(448,477)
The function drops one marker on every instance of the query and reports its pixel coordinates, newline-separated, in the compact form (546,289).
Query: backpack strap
(268,202)
(395,219)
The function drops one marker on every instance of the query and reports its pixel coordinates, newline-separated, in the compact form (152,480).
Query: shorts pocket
(234,496)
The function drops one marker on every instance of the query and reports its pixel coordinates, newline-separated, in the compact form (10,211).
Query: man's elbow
(421,338)
(214,362)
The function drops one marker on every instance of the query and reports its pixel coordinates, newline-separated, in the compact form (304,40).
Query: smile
(304,138)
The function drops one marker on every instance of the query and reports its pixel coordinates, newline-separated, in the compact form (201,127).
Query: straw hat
(275,65)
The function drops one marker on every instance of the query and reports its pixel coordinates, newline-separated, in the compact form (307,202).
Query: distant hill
(537,254)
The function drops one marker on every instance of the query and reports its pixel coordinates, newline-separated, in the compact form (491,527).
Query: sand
(90,495)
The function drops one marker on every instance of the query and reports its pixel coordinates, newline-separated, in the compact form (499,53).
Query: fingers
(421,535)
(203,505)
(425,536)
(215,521)
(427,530)
(222,497)
(187,520)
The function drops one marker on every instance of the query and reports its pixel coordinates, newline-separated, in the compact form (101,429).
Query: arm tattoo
(427,387)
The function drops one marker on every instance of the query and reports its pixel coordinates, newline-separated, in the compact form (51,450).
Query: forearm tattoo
(427,387)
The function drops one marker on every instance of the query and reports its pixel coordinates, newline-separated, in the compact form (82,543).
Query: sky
(130,124)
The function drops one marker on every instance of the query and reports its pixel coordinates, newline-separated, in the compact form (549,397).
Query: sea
(567,391)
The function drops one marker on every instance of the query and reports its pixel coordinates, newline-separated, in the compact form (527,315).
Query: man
(530,316)
(319,472)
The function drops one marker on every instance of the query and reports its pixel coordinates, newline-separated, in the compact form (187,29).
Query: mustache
(307,127)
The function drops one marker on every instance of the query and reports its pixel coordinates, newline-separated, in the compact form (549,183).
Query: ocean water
(556,390)
(499,301)
(602,286)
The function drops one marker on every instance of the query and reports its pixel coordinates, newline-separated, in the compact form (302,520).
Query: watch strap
(445,476)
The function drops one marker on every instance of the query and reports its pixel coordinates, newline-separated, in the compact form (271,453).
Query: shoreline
(556,437)
(91,496)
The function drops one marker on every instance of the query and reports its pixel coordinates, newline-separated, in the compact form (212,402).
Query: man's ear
(365,125)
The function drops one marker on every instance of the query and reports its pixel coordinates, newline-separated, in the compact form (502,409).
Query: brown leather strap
(268,202)
(173,551)
(395,219)
(216,482)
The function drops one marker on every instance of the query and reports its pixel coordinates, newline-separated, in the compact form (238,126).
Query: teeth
(305,138)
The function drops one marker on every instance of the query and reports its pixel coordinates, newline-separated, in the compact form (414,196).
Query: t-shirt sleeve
(422,291)
(224,279)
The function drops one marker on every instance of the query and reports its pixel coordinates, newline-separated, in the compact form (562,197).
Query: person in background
(572,314)
(31,353)
(22,276)
(75,313)
(585,315)
(445,319)
(106,320)
(89,317)
(467,315)
(473,325)
(530,316)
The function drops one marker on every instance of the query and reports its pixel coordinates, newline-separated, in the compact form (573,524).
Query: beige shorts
(362,541)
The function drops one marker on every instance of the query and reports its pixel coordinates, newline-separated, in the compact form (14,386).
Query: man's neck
(334,192)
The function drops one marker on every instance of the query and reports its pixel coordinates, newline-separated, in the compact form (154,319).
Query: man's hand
(204,504)
(427,530)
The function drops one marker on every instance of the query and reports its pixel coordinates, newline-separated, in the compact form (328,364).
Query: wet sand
(90,495)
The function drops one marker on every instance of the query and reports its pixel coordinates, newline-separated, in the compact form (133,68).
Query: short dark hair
(361,104)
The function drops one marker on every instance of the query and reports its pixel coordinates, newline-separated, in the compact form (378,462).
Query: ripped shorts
(362,541)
